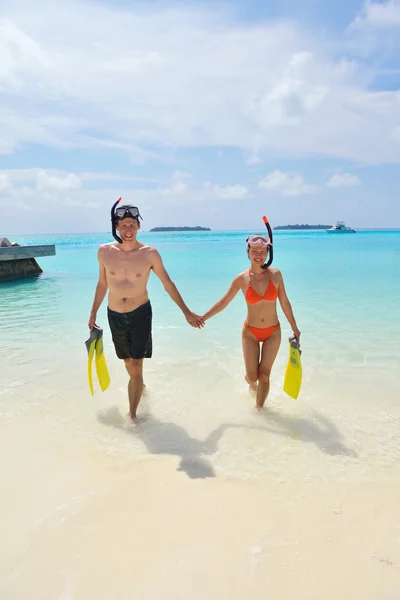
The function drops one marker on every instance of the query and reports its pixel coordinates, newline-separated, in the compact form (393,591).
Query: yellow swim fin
(90,347)
(101,366)
(95,348)
(294,372)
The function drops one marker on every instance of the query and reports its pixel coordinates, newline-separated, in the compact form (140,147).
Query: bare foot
(136,420)
(252,385)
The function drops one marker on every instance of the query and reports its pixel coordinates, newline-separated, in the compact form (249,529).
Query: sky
(200,113)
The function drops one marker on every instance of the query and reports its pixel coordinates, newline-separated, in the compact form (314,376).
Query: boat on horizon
(340,227)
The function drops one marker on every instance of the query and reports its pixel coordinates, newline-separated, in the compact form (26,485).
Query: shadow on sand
(320,431)
(169,438)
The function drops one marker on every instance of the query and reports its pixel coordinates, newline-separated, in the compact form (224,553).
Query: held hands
(194,320)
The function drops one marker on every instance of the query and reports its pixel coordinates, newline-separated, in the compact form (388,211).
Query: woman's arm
(225,300)
(286,306)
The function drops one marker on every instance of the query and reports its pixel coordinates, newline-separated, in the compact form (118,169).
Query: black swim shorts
(131,332)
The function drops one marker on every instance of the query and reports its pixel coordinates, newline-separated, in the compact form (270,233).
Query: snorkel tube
(113,222)
(271,247)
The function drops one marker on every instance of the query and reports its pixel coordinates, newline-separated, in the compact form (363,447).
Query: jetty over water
(19,261)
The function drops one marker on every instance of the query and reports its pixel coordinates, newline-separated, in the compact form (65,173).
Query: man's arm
(101,290)
(158,267)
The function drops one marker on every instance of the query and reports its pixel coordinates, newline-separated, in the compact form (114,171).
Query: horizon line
(205,232)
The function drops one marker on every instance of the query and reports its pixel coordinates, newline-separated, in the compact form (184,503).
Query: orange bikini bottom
(262,333)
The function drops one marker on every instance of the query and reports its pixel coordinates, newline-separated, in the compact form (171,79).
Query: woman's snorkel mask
(122,212)
(262,241)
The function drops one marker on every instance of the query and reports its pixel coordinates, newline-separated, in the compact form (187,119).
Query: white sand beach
(140,529)
(216,502)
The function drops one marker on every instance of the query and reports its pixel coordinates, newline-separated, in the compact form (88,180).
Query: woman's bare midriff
(262,315)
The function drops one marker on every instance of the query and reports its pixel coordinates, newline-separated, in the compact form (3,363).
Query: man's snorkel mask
(261,241)
(122,212)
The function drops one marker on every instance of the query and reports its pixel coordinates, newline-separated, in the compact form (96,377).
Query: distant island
(303,226)
(198,228)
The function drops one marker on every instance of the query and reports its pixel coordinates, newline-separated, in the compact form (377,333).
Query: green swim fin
(95,348)
(294,372)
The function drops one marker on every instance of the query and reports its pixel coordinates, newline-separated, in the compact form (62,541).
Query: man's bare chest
(127,267)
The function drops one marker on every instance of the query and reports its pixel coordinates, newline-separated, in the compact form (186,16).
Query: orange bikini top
(271,293)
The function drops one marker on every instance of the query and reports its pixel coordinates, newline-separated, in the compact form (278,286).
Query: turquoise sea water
(345,292)
(345,284)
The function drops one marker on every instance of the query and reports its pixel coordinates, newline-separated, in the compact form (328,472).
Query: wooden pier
(19,261)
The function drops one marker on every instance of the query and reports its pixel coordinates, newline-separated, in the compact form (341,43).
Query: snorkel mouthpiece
(113,222)
(271,246)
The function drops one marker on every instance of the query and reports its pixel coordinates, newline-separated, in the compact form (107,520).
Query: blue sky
(199,113)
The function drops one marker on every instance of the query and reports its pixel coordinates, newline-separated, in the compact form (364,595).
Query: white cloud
(57,191)
(379,14)
(12,196)
(228,192)
(292,97)
(181,175)
(177,188)
(181,77)
(31,176)
(206,190)
(183,185)
(46,181)
(343,180)
(396,134)
(287,184)
(253,159)
(5,185)
(95,176)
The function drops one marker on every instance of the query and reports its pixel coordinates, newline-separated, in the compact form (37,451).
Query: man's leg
(134,367)
(128,369)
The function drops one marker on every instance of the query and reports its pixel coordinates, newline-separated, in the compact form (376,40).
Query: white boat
(340,227)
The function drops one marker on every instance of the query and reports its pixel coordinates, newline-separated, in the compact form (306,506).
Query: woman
(261,287)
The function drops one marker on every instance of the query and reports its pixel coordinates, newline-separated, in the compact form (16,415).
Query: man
(125,267)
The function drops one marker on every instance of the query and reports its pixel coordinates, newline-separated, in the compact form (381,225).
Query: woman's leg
(251,355)
(268,354)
